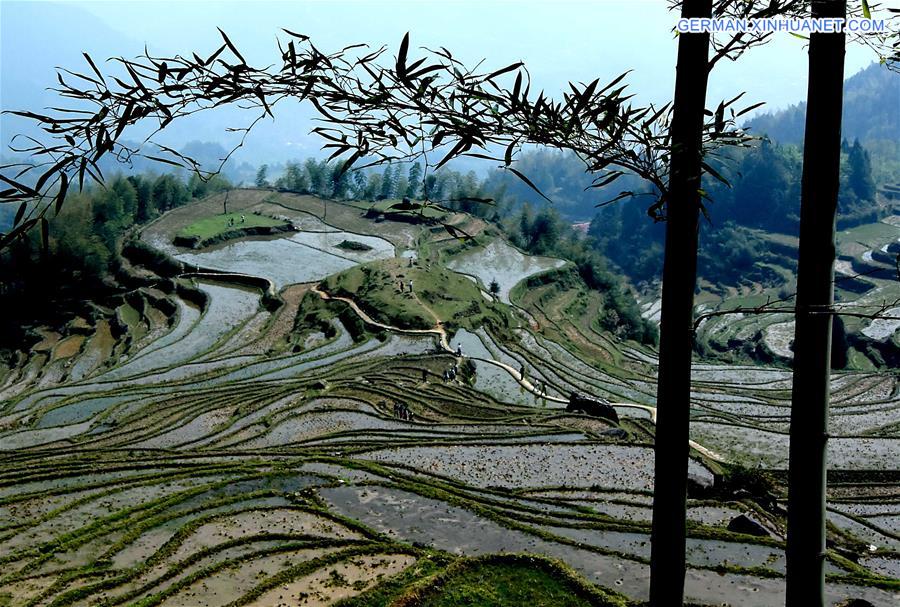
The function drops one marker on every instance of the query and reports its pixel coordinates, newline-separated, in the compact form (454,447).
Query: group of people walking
(401,411)
(450,374)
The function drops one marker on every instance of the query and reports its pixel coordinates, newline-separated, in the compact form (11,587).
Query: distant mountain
(871,112)
(32,55)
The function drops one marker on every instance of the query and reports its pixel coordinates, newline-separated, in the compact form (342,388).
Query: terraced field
(865,280)
(226,436)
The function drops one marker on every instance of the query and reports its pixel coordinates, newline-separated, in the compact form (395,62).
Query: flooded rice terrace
(227,447)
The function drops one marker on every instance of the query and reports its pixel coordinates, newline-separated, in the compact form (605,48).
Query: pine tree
(414,181)
(340,181)
(360,183)
(318,177)
(860,180)
(429,188)
(387,184)
(261,176)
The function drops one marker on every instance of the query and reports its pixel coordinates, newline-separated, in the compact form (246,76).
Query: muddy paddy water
(413,518)
(302,257)
(535,465)
(207,459)
(504,263)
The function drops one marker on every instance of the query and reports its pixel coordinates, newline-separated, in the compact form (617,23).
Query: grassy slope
(453,299)
(209,227)
(504,584)
(506,580)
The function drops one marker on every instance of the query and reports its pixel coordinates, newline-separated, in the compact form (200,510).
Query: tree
(145,209)
(815,295)
(168,193)
(295,178)
(401,184)
(414,181)
(387,184)
(676,346)
(859,178)
(494,287)
(767,175)
(201,187)
(525,220)
(340,181)
(360,184)
(319,177)
(373,187)
(261,176)
(429,187)
(543,232)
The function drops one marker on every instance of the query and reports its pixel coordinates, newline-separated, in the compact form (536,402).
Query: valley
(269,420)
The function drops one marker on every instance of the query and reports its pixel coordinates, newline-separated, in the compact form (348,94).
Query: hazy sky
(558,40)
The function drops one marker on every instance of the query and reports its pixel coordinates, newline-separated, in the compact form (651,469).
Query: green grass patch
(508,581)
(210,227)
(872,235)
(859,361)
(438,294)
(129,315)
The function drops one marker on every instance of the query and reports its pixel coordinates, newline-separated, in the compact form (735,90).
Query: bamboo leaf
(619,196)
(20,213)
(232,46)
(528,183)
(61,194)
(749,108)
(45,236)
(94,67)
(504,70)
(401,57)
(714,173)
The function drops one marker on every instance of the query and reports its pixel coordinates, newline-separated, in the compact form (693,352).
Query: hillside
(243,430)
(871,99)
(871,103)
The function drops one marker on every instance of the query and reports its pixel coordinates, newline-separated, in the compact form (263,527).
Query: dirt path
(523,381)
(438,330)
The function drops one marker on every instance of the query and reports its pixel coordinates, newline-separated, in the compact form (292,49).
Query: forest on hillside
(762,196)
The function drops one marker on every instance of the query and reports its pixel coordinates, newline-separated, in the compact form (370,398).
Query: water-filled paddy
(516,466)
(214,441)
(303,257)
(501,262)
